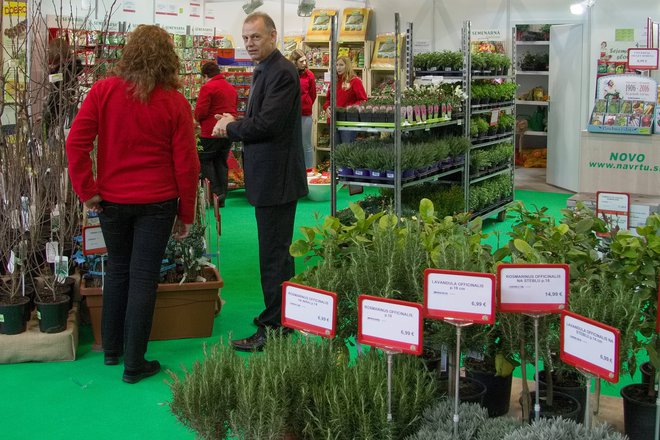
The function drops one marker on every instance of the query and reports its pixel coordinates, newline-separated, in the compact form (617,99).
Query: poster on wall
(14,57)
(195,9)
(613,57)
(166,8)
(487,41)
(129,6)
(625,104)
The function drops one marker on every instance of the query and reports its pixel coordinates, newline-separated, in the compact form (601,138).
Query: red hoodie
(216,97)
(307,91)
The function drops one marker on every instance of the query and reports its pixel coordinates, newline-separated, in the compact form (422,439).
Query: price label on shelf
(309,309)
(461,296)
(93,242)
(390,324)
(590,345)
(533,288)
(494,117)
(642,58)
(615,207)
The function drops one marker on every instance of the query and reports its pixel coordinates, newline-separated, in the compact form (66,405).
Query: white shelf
(541,103)
(535,133)
(532,43)
(530,72)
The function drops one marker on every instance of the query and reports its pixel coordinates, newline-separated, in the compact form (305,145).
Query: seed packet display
(610,119)
(614,106)
(601,106)
(648,108)
(634,120)
(638,107)
(626,106)
(597,118)
(621,120)
(646,120)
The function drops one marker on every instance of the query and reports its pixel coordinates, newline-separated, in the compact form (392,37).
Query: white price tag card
(61,268)
(590,345)
(532,288)
(615,207)
(93,242)
(460,296)
(11,263)
(51,251)
(309,309)
(642,58)
(494,117)
(390,324)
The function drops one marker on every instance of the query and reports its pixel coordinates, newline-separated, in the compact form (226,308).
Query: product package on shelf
(354,24)
(319,25)
(625,104)
(385,51)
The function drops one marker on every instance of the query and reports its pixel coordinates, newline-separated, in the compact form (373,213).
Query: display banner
(590,346)
(390,324)
(93,242)
(615,208)
(532,288)
(460,296)
(309,309)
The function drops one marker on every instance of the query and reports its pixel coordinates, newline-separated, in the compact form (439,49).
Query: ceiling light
(581,8)
(250,6)
(305,8)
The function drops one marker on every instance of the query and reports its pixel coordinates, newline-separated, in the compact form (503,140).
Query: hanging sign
(642,59)
(615,207)
(590,345)
(532,288)
(93,242)
(461,296)
(309,309)
(390,324)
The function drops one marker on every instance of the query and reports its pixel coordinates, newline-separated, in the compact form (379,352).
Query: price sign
(590,345)
(463,296)
(309,309)
(615,207)
(494,117)
(642,59)
(532,288)
(390,324)
(93,242)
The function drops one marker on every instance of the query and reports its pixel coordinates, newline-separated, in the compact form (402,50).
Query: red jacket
(307,91)
(353,95)
(216,97)
(146,152)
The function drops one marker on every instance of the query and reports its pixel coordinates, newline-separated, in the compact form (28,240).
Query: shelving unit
(473,180)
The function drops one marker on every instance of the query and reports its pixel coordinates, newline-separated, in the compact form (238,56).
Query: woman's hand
(180,230)
(94,204)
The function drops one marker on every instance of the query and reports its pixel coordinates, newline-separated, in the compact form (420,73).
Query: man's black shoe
(256,321)
(257,341)
(148,369)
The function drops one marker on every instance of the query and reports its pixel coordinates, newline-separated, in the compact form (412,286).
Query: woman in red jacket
(350,91)
(146,176)
(307,96)
(215,97)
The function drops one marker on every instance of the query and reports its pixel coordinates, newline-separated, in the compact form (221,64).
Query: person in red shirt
(147,174)
(350,91)
(307,97)
(216,96)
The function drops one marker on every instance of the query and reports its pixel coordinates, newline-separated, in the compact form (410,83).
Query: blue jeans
(307,141)
(345,137)
(136,236)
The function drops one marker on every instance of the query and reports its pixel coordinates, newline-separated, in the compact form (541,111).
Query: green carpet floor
(87,400)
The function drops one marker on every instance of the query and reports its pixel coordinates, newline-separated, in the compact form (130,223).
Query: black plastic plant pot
(53,313)
(575,389)
(647,371)
(470,391)
(563,405)
(498,391)
(12,316)
(638,412)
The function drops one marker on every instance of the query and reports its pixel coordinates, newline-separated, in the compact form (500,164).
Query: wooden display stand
(620,163)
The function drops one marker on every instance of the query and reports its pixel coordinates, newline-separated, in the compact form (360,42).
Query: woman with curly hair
(146,177)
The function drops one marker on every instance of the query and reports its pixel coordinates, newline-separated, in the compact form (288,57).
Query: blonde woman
(147,173)
(350,91)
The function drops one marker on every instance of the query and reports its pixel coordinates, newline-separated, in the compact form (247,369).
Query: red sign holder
(582,354)
(316,303)
(460,296)
(388,311)
(612,210)
(532,288)
(93,242)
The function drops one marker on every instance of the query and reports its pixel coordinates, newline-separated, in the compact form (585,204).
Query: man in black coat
(273,162)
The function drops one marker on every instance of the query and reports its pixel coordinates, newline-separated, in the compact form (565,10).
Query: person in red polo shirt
(146,176)
(350,91)
(307,98)
(216,96)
